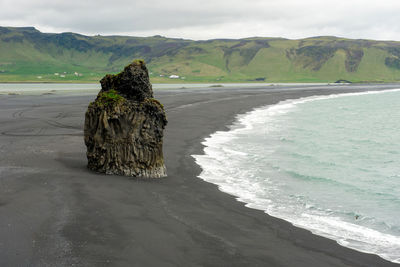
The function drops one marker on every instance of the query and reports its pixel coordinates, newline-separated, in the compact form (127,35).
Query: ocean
(329,164)
(93,88)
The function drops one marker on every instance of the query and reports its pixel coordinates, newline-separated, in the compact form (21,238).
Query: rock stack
(124,126)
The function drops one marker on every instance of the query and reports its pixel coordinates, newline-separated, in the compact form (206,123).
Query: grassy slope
(26,53)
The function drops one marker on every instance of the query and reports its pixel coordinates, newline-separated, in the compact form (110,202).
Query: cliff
(124,126)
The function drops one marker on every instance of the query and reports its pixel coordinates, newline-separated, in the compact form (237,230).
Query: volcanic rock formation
(124,126)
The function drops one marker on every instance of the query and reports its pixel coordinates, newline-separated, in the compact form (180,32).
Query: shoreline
(65,82)
(375,260)
(213,82)
(250,202)
(68,215)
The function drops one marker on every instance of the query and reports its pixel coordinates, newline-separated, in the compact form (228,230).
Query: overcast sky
(208,19)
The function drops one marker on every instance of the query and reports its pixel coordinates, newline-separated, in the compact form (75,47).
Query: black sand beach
(55,212)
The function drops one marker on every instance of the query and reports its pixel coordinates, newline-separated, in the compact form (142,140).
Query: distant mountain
(27,54)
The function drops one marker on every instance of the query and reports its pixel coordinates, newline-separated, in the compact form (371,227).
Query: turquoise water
(330,164)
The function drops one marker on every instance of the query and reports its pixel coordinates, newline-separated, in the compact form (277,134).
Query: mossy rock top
(132,83)
(106,99)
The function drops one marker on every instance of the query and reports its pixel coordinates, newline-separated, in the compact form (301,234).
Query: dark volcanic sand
(55,212)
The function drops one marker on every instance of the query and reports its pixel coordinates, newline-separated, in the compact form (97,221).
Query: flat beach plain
(55,212)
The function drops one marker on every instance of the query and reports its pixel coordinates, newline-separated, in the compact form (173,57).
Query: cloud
(209,18)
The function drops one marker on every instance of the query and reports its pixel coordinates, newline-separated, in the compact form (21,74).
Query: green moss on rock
(138,62)
(109,98)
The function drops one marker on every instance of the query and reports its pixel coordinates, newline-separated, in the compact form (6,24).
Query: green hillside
(27,54)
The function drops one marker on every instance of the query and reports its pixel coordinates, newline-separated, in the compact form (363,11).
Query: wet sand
(55,212)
